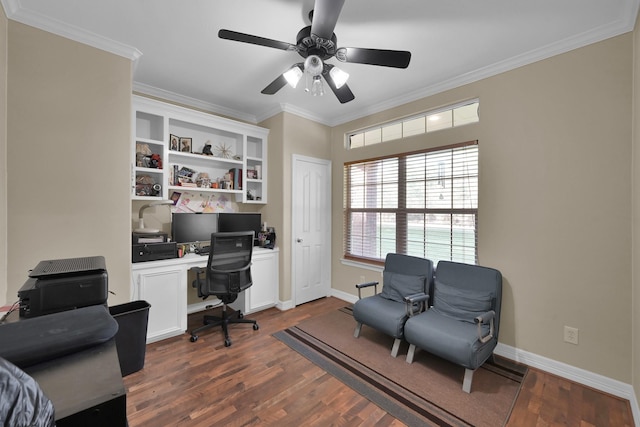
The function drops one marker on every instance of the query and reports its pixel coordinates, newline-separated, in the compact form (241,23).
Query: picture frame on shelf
(185,145)
(174,142)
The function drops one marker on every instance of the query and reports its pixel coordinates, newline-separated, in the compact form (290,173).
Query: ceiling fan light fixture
(317,88)
(313,65)
(339,77)
(293,76)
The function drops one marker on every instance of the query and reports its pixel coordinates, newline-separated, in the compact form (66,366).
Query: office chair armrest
(415,303)
(367,285)
(198,271)
(483,319)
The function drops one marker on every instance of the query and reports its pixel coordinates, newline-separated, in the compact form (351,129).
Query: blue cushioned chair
(387,311)
(463,322)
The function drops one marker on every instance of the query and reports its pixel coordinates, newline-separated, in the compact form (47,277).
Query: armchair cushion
(383,314)
(395,286)
(461,304)
(448,338)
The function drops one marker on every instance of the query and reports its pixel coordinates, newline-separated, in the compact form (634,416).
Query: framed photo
(174,142)
(185,145)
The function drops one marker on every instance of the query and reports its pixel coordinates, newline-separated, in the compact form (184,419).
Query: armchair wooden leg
(468,378)
(356,333)
(396,347)
(411,353)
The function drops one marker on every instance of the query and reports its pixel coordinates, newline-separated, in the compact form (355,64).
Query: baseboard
(578,375)
(285,305)
(344,296)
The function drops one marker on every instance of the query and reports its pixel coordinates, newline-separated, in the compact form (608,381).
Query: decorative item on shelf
(236,157)
(206,150)
(235,176)
(251,174)
(141,228)
(174,142)
(223,150)
(250,195)
(185,145)
(186,176)
(203,180)
(147,186)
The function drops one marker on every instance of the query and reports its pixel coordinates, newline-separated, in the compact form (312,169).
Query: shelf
(149,141)
(155,122)
(141,169)
(204,190)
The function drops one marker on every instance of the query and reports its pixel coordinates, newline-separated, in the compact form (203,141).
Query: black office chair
(228,273)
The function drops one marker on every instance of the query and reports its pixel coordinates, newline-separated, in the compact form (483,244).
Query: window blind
(423,204)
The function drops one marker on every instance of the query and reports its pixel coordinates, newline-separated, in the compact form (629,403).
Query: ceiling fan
(317,43)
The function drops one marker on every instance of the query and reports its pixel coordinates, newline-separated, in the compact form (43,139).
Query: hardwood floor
(260,381)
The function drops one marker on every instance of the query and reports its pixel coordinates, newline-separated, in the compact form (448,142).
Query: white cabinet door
(264,271)
(164,288)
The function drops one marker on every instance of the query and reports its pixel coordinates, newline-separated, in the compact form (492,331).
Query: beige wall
(4,299)
(636,216)
(554,202)
(68,139)
(289,134)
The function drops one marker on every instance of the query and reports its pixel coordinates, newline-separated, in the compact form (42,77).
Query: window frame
(401,210)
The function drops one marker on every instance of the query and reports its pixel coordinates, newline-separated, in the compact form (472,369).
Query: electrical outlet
(571,335)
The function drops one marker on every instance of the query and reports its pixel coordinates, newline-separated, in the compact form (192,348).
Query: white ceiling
(178,55)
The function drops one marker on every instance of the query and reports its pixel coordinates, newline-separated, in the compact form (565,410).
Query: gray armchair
(463,322)
(387,311)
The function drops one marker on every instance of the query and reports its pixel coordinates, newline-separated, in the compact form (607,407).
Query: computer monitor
(193,227)
(241,221)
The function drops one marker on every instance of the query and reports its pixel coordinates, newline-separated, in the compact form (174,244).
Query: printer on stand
(64,284)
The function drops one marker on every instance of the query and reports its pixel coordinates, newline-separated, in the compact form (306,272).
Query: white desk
(163,284)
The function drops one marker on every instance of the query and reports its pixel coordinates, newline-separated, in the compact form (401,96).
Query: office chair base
(224,321)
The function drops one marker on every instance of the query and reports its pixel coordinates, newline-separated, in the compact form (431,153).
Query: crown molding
(291,109)
(192,102)
(624,25)
(15,12)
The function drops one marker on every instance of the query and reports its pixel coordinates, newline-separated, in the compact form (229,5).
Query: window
(423,204)
(443,118)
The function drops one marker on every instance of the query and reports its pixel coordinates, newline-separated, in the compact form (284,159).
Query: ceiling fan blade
(275,85)
(281,81)
(325,17)
(261,41)
(343,94)
(385,58)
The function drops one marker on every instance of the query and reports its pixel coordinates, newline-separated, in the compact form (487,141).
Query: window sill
(358,264)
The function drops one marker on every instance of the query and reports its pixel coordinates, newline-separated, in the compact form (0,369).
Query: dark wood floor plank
(259,381)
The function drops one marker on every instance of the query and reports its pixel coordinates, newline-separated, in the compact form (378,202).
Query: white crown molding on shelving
(16,12)
(192,102)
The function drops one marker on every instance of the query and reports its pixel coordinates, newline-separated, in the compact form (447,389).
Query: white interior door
(311,217)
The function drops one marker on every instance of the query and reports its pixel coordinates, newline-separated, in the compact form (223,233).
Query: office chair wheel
(255,327)
(227,342)
(193,338)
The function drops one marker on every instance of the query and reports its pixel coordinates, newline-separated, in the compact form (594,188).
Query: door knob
(299,240)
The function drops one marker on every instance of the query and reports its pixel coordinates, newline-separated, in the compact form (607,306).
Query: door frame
(294,170)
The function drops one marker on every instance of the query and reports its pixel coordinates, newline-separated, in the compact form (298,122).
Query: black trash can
(131,338)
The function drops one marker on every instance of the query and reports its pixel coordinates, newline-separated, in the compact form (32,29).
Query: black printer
(64,284)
